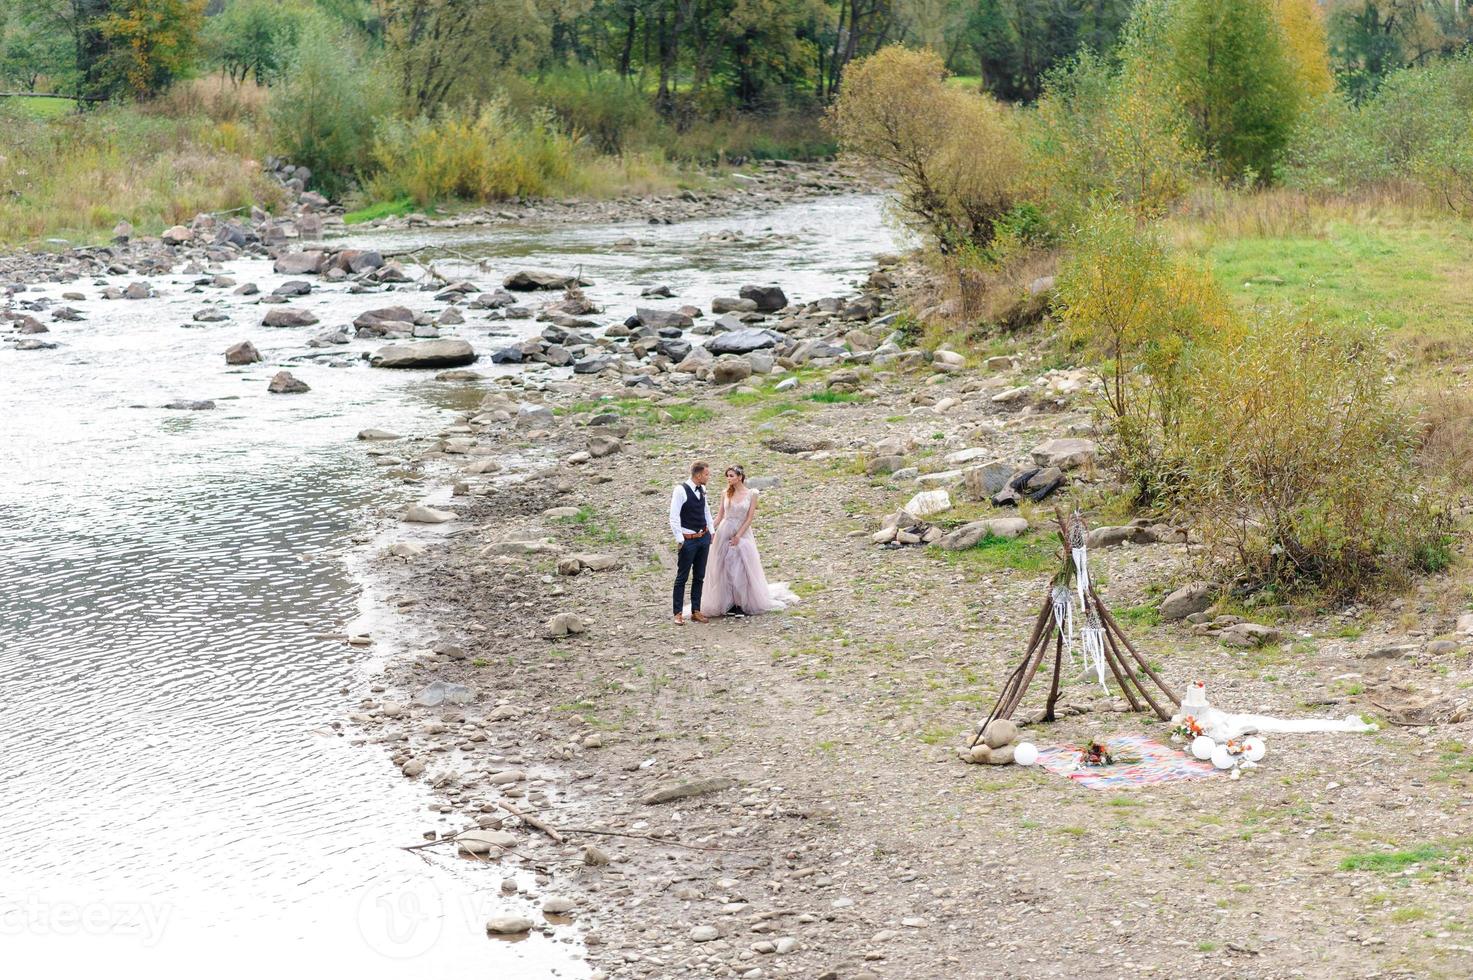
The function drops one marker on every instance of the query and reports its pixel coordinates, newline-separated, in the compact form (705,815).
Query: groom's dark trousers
(691,564)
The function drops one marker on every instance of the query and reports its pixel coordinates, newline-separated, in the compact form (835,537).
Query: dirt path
(854,843)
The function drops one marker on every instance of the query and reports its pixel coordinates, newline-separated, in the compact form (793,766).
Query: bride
(736,582)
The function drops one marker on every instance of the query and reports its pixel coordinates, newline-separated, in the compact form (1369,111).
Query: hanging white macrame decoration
(1092,642)
(1080,552)
(1064,618)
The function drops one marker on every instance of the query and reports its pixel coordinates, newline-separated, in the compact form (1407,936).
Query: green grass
(1142,615)
(380,209)
(40,108)
(1027,553)
(1388,862)
(834,397)
(639,409)
(1405,276)
(594,527)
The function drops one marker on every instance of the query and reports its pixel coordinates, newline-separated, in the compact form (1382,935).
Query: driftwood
(1116,647)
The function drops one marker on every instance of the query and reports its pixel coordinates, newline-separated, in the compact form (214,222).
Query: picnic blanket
(1160,763)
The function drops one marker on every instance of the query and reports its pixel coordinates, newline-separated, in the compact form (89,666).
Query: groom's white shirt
(677,500)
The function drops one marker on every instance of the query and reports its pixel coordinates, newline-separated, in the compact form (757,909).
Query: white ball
(1222,758)
(1025,753)
(1202,747)
(1254,749)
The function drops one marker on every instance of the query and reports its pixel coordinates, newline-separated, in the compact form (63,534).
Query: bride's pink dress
(734,576)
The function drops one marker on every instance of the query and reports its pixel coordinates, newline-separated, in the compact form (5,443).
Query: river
(175,794)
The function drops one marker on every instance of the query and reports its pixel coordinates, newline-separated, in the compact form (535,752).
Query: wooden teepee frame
(1073,579)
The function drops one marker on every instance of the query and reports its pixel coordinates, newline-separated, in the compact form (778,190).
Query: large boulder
(970,535)
(425,354)
(527,280)
(283,383)
(375,320)
(767,299)
(729,369)
(1193,597)
(928,502)
(662,319)
(288,316)
(1066,454)
(300,263)
(242,353)
(981,482)
(743,341)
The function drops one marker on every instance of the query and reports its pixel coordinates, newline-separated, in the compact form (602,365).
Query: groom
(690,522)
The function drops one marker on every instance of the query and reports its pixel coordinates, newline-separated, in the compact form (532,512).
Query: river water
(172,792)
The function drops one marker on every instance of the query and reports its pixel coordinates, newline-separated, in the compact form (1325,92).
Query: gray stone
(730,369)
(299,263)
(1066,454)
(508,925)
(981,482)
(564,624)
(663,319)
(425,354)
(1000,732)
(731,304)
(670,792)
(1249,635)
(972,534)
(283,383)
(242,353)
(1192,598)
(743,341)
(768,299)
(288,316)
(527,280)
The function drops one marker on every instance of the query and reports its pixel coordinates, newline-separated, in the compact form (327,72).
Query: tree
(31,52)
(254,38)
(1236,82)
(1303,28)
(433,43)
(958,159)
(149,43)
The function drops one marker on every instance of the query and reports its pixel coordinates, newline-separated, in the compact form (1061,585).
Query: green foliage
(381,209)
(486,155)
(254,38)
(1413,129)
(33,52)
(1303,464)
(1388,862)
(957,156)
(1142,314)
(150,43)
(323,112)
(610,112)
(1233,74)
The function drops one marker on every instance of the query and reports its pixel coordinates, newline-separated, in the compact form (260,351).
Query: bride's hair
(741,478)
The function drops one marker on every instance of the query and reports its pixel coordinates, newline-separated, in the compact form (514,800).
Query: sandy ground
(853,842)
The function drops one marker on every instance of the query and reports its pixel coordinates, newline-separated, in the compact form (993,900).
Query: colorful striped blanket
(1159,763)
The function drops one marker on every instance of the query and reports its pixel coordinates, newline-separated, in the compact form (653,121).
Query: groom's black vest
(693,511)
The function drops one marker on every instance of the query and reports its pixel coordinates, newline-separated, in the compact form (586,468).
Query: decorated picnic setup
(1075,624)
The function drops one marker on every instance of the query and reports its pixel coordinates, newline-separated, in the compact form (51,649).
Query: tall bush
(323,113)
(1234,76)
(1303,464)
(1142,315)
(479,155)
(958,158)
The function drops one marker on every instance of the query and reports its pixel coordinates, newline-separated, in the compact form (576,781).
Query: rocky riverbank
(782,795)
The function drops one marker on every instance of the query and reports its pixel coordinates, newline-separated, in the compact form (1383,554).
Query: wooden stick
(1028,676)
(1110,623)
(1053,691)
(1121,679)
(1006,694)
(1160,713)
(532,821)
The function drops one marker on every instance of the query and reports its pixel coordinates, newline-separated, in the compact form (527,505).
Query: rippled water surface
(172,792)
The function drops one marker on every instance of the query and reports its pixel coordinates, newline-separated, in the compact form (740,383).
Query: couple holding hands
(722,546)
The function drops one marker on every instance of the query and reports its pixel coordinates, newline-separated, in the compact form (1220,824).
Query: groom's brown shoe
(679,620)
(699,617)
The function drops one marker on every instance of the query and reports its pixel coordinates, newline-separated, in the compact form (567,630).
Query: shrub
(610,112)
(484,154)
(957,155)
(1142,315)
(324,111)
(1303,465)
(1100,130)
